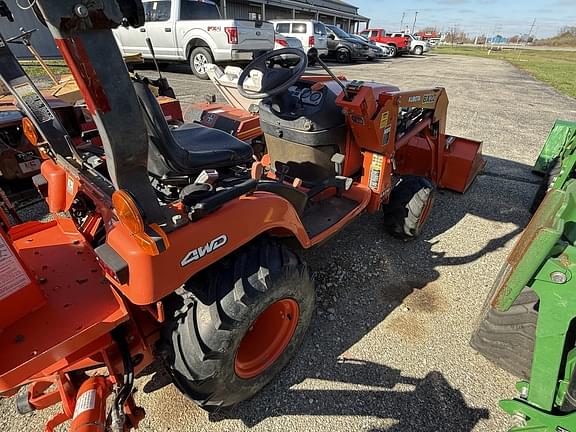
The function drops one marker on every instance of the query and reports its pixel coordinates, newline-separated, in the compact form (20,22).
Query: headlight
(355,45)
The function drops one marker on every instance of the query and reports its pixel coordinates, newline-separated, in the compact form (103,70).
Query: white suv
(312,34)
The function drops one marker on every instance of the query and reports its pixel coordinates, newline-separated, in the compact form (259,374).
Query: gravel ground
(388,347)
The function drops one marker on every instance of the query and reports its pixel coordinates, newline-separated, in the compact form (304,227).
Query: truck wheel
(199,58)
(343,56)
(507,338)
(409,207)
(418,50)
(312,56)
(238,324)
(393,51)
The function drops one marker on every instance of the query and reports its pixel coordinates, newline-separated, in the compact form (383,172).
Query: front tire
(199,58)
(238,325)
(418,50)
(507,338)
(393,51)
(409,207)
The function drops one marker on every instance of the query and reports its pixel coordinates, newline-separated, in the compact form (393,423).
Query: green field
(34,70)
(557,68)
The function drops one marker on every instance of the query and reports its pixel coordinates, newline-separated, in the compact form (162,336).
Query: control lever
(334,77)
(164,88)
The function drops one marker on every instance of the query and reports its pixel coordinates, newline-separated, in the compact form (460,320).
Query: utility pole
(531,29)
(414,25)
(402,21)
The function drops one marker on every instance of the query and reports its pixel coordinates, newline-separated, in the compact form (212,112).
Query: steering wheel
(274,80)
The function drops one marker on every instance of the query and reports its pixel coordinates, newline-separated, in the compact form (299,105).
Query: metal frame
(83,35)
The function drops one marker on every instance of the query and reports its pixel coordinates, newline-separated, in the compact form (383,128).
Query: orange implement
(80,307)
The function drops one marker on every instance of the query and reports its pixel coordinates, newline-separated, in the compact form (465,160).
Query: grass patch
(557,68)
(34,70)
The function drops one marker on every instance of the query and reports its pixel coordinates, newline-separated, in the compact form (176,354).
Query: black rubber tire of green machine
(547,180)
(507,338)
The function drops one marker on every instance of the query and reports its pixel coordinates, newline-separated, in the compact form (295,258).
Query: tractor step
(321,215)
(80,306)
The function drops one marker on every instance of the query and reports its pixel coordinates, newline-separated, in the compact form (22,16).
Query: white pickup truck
(192,30)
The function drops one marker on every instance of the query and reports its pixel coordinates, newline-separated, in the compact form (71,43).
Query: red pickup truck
(399,44)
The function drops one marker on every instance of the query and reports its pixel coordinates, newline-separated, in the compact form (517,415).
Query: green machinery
(528,325)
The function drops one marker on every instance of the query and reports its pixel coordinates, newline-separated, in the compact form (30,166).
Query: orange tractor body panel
(79,306)
(154,277)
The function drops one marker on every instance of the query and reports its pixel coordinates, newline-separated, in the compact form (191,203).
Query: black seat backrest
(162,152)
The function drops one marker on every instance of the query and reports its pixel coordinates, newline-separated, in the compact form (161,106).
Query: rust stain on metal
(564,260)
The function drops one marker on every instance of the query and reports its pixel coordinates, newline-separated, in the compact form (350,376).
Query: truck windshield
(339,32)
(199,10)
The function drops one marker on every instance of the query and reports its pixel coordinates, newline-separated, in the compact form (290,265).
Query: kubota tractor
(173,243)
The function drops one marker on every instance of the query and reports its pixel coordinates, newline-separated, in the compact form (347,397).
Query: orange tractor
(172,243)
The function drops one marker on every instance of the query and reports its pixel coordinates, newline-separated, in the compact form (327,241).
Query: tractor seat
(188,149)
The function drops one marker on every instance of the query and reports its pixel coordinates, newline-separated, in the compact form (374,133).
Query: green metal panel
(561,137)
(532,249)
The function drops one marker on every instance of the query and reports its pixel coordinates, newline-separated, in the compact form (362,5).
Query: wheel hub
(267,338)
(200,61)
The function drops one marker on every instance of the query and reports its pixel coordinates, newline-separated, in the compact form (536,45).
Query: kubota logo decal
(202,251)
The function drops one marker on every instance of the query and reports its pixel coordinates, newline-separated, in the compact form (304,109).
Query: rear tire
(507,338)
(343,56)
(409,207)
(200,57)
(218,310)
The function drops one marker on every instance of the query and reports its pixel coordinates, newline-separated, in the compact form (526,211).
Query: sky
(505,17)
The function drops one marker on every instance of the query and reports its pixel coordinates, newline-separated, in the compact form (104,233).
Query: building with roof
(337,12)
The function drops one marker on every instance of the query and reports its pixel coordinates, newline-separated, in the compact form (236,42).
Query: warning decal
(375,171)
(85,402)
(35,103)
(12,275)
(384,119)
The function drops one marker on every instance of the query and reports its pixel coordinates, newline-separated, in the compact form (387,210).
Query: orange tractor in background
(171,243)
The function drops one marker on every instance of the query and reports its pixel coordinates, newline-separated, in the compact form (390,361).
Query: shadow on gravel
(428,404)
(362,275)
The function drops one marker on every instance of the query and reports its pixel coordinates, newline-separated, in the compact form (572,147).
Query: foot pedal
(338,161)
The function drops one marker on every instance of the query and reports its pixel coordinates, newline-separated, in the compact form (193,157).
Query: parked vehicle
(281,41)
(343,47)
(385,47)
(433,38)
(398,44)
(312,34)
(417,46)
(192,30)
(374,51)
